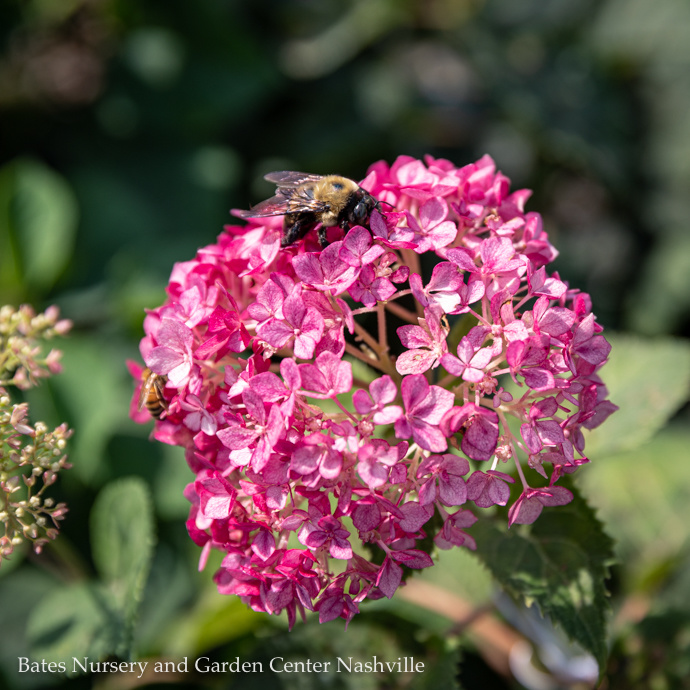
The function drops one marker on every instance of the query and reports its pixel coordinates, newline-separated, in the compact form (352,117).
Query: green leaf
(213,622)
(95,391)
(20,592)
(44,220)
(169,589)
(649,380)
(652,476)
(460,326)
(9,260)
(78,621)
(171,478)
(675,594)
(559,563)
(122,542)
(440,672)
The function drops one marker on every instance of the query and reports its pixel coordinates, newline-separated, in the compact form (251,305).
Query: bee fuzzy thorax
(337,192)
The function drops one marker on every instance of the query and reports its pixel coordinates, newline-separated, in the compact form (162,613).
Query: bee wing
(301,199)
(290,178)
(275,206)
(146,383)
(292,200)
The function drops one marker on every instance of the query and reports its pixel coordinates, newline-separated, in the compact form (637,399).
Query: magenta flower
(327,377)
(446,480)
(301,322)
(432,231)
(446,289)
(472,359)
(425,406)
(382,391)
(327,533)
(316,458)
(480,427)
(358,248)
(453,532)
(173,356)
(253,440)
(326,271)
(216,496)
(542,430)
(270,298)
(370,288)
(198,417)
(228,332)
(347,395)
(486,489)
(378,462)
(427,342)
(499,268)
(532,501)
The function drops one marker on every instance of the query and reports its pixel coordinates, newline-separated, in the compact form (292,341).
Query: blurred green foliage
(129,128)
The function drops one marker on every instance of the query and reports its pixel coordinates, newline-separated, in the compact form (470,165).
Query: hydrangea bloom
(332,401)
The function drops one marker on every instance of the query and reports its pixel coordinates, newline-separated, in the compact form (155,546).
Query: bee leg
(293,230)
(323,230)
(323,240)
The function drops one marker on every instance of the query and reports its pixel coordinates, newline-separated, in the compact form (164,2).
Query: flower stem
(403,313)
(358,354)
(383,336)
(411,258)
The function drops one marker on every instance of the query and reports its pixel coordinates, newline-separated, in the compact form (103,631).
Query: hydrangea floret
(339,406)
(31,455)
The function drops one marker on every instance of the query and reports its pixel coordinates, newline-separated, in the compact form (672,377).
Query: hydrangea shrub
(340,406)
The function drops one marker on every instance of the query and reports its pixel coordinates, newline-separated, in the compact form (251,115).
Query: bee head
(364,206)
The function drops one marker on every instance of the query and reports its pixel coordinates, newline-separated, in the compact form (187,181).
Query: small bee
(307,200)
(151,394)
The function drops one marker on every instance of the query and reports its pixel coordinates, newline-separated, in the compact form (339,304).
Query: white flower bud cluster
(21,330)
(30,455)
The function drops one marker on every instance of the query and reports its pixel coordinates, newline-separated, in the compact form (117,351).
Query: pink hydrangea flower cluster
(340,405)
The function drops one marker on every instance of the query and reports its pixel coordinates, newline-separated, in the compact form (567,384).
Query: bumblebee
(310,200)
(151,394)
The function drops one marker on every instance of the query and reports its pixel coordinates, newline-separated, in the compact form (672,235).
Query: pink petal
(236,437)
(415,361)
(389,577)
